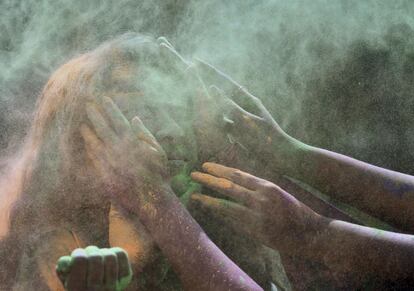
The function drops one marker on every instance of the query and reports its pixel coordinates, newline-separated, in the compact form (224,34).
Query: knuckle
(269,189)
(95,259)
(237,174)
(266,185)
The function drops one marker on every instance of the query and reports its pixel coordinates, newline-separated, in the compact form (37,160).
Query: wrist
(289,156)
(317,239)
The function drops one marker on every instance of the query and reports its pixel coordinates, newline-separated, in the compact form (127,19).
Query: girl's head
(55,176)
(134,72)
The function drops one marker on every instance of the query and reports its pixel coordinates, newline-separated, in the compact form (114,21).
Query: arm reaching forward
(384,194)
(277,219)
(133,165)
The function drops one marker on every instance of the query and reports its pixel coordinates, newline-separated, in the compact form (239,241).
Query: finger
(220,205)
(195,79)
(238,91)
(102,129)
(222,105)
(124,268)
(260,113)
(116,117)
(235,175)
(240,217)
(243,125)
(163,39)
(77,278)
(63,268)
(91,140)
(225,187)
(205,107)
(95,273)
(144,134)
(173,57)
(234,112)
(100,165)
(208,68)
(110,268)
(95,151)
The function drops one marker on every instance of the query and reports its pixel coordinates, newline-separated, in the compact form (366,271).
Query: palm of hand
(125,154)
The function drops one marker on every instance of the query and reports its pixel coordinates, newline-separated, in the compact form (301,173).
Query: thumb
(232,114)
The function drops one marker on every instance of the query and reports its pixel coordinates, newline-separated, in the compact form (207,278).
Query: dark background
(336,74)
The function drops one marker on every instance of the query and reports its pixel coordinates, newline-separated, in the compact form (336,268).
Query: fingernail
(195,175)
(208,165)
(228,121)
(164,49)
(136,120)
(197,197)
(161,40)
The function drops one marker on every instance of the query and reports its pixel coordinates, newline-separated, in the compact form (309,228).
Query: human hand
(213,141)
(260,209)
(253,129)
(93,268)
(124,154)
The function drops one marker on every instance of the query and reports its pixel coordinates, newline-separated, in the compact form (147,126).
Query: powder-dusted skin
(216,183)
(59,189)
(129,234)
(62,243)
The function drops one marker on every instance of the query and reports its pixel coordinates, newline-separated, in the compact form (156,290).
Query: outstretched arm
(383,193)
(277,219)
(133,164)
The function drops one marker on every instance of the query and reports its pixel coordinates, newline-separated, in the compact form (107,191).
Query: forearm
(199,263)
(383,193)
(362,253)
